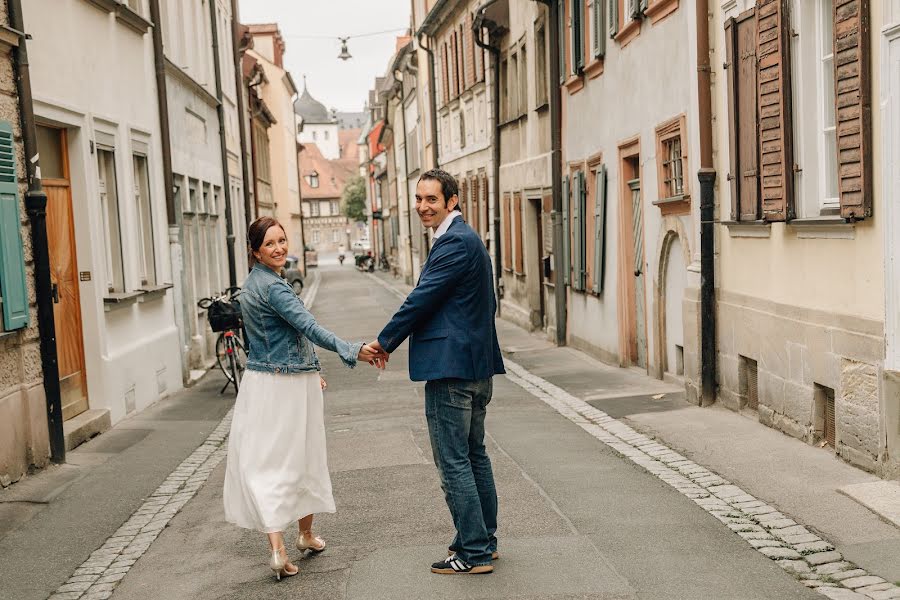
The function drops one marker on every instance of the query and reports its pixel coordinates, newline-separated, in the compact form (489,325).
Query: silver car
(293,275)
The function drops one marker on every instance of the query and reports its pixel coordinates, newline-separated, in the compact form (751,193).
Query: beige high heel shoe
(278,564)
(310,542)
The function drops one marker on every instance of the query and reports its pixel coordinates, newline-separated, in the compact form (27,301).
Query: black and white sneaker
(454,565)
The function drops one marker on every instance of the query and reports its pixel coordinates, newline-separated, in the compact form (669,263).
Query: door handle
(54,293)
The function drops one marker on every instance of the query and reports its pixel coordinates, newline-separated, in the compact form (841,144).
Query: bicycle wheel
(235,377)
(238,352)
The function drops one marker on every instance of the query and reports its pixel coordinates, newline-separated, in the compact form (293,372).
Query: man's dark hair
(449,187)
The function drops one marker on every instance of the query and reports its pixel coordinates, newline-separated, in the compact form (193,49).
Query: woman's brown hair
(256,235)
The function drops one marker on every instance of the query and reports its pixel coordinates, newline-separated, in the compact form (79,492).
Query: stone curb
(802,553)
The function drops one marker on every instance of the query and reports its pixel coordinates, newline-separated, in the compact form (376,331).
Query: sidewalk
(800,480)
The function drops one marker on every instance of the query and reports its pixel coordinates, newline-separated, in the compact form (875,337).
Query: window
(316,236)
(540,64)
(326,135)
(671,159)
(314,208)
(112,229)
(576,37)
(517,223)
(335,236)
(323,208)
(261,154)
(507,232)
(513,86)
(598,29)
(612,21)
(335,208)
(313,180)
(504,91)
(144,212)
(214,239)
(523,80)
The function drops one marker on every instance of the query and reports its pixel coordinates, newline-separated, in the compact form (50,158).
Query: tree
(353,199)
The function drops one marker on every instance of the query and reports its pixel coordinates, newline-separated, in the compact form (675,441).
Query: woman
(277,469)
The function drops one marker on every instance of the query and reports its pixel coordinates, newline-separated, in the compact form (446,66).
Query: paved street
(590,507)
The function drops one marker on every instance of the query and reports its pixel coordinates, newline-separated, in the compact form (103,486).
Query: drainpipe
(559,289)
(176,250)
(477,26)
(223,146)
(399,80)
(299,149)
(36,207)
(434,128)
(239,89)
(707,178)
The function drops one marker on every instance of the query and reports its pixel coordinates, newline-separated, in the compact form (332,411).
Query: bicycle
(224,316)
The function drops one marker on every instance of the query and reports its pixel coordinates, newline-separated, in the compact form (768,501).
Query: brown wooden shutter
(775,131)
(743,130)
(470,50)
(445,84)
(473,205)
(485,208)
(853,106)
(507,240)
(462,205)
(520,251)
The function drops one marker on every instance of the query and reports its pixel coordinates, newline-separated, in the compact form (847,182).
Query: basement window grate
(749,382)
(825,428)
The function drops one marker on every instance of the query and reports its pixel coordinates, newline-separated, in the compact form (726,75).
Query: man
(449,318)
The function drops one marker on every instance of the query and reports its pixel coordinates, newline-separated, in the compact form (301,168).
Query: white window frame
(812,73)
(111,212)
(144,212)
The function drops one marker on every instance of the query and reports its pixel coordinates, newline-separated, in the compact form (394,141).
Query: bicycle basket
(224,315)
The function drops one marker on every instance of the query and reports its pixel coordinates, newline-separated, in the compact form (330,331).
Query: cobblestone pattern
(797,550)
(98,576)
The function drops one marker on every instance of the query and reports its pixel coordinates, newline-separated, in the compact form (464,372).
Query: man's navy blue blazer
(449,316)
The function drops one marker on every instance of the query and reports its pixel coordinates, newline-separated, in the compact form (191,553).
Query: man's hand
(373,355)
(383,357)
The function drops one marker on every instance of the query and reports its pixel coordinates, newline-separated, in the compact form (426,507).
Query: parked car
(293,275)
(312,258)
(361,247)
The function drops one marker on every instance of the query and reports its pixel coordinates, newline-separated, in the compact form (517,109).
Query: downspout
(300,195)
(399,80)
(559,289)
(707,178)
(253,161)
(223,146)
(433,97)
(494,51)
(176,249)
(239,91)
(36,207)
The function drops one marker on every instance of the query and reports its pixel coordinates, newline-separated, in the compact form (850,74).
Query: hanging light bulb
(345,54)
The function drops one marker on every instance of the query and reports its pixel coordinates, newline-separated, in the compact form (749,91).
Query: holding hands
(373,354)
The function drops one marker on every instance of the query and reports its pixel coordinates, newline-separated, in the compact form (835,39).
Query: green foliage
(353,199)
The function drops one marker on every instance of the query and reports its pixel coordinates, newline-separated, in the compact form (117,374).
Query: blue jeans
(455,411)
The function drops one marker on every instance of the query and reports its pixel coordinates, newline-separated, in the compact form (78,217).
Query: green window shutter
(600,230)
(598,40)
(13,286)
(561,25)
(567,231)
(577,36)
(577,229)
(582,232)
(613,21)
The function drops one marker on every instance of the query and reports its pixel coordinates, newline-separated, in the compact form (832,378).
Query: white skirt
(277,469)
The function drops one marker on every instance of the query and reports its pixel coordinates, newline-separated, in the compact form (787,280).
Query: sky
(339,84)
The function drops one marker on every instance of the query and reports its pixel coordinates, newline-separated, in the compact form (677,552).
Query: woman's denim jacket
(280,328)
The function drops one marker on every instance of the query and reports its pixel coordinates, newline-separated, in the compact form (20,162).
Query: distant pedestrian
(277,469)
(449,318)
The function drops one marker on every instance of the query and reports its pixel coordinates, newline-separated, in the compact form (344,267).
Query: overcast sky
(336,83)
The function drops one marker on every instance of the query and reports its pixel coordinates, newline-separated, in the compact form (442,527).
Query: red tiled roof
(333,174)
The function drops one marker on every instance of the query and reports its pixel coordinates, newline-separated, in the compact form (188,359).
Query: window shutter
(600,230)
(598,40)
(485,214)
(776,156)
(561,26)
(445,84)
(507,233)
(634,9)
(577,35)
(577,229)
(581,274)
(853,105)
(613,20)
(13,285)
(743,123)
(520,242)
(567,231)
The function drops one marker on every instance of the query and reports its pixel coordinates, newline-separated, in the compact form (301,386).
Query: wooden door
(63,271)
(637,222)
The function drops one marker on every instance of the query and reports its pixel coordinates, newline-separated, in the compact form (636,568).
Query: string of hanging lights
(345,52)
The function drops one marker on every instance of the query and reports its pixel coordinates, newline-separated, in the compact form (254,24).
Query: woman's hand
(322,383)
(374,357)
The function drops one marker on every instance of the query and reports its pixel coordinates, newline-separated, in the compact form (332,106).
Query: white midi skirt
(277,469)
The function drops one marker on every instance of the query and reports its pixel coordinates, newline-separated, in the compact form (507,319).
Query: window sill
(834,228)
(660,9)
(5,335)
(542,106)
(132,20)
(117,300)
(574,84)
(629,32)
(105,5)
(150,293)
(676,205)
(594,68)
(748,229)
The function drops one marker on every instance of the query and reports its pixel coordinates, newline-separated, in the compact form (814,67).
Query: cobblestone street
(593,505)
